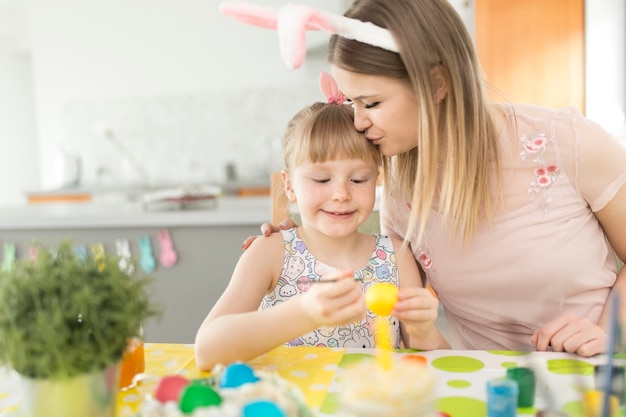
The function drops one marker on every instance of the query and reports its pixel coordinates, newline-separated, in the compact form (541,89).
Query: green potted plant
(65,322)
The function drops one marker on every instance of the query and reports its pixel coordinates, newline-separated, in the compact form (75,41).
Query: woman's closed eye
(365,105)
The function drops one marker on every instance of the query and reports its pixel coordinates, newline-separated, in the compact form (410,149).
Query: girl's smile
(334,197)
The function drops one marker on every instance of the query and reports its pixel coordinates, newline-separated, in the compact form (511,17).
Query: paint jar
(593,405)
(502,397)
(133,362)
(525,378)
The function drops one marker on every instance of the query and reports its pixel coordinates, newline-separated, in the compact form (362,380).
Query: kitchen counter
(229,210)
(207,242)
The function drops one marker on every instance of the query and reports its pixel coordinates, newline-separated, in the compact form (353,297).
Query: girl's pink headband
(292,21)
(330,90)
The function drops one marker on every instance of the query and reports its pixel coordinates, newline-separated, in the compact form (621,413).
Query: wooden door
(532,51)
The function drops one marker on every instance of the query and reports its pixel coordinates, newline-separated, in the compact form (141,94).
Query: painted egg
(236,375)
(414,358)
(380,298)
(170,387)
(196,396)
(262,408)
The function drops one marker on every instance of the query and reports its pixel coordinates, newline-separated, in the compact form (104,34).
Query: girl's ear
(287,184)
(440,85)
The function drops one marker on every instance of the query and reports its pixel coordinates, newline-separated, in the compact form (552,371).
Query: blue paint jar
(502,396)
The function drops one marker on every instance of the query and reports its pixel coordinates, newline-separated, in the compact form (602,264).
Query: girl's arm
(417,308)
(236,330)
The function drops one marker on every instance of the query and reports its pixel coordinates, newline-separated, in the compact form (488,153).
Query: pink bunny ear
(292,21)
(330,90)
(264,17)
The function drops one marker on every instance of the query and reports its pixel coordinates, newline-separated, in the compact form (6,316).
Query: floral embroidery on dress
(423,253)
(545,174)
(424,257)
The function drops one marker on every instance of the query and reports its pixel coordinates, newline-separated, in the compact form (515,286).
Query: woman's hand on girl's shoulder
(266,230)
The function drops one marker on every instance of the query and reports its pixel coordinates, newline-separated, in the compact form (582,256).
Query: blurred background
(122,93)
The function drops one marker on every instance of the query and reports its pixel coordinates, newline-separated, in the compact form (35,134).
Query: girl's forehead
(343,164)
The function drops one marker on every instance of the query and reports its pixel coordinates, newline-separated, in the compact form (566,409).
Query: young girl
(305,286)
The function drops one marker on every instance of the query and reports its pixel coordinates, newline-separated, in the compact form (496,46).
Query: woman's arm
(602,167)
(569,333)
(613,220)
(602,170)
(417,308)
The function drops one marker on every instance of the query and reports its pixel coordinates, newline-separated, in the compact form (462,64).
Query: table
(461,376)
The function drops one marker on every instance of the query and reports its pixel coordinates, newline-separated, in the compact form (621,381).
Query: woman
(514,212)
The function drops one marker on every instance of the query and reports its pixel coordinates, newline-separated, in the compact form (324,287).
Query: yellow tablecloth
(461,376)
(312,369)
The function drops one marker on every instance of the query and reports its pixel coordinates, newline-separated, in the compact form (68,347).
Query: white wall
(95,57)
(187,89)
(605,69)
(18,143)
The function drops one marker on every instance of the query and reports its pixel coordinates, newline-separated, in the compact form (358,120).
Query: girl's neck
(348,252)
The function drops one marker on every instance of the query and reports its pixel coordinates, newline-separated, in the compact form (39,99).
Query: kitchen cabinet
(532,51)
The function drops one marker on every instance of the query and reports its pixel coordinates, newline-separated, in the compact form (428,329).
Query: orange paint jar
(133,362)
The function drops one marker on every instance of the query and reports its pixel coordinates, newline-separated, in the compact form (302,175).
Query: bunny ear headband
(292,21)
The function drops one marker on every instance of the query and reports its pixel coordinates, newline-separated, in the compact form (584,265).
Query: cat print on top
(301,269)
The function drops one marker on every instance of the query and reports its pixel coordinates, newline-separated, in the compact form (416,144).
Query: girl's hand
(266,230)
(335,303)
(417,310)
(569,333)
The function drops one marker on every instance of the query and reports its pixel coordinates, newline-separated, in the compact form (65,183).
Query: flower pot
(93,395)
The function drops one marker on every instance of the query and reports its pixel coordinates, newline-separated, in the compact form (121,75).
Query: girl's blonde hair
(323,132)
(456,156)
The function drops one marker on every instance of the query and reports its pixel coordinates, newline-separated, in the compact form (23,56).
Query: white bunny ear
(292,22)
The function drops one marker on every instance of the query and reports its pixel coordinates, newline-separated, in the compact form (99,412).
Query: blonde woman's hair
(323,132)
(456,157)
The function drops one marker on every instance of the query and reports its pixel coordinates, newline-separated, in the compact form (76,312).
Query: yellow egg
(380,298)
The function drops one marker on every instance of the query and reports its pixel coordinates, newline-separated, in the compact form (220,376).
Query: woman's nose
(361,122)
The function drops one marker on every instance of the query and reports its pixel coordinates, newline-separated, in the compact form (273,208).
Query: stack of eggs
(233,391)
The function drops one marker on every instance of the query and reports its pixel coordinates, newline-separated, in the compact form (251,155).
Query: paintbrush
(606,375)
(324,281)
